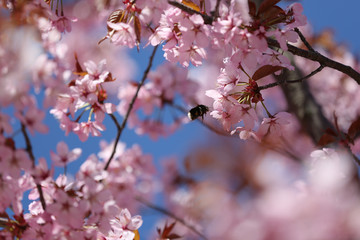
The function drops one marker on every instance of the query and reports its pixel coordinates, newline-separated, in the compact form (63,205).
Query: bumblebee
(198,111)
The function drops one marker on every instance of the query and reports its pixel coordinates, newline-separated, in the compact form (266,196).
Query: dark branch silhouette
(317,57)
(31,154)
(270,85)
(123,124)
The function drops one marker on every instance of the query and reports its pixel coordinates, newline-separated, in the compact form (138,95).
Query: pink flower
(123,226)
(66,124)
(227,29)
(85,128)
(192,29)
(8,189)
(167,30)
(5,123)
(64,156)
(96,73)
(67,210)
(41,171)
(92,168)
(124,34)
(283,37)
(298,19)
(228,118)
(32,120)
(274,127)
(14,163)
(245,134)
(125,221)
(229,77)
(193,53)
(63,23)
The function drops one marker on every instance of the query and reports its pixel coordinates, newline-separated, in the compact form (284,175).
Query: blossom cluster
(85,93)
(87,207)
(279,186)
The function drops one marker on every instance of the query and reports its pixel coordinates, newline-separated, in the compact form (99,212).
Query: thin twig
(321,67)
(317,57)
(207,19)
(119,130)
(303,39)
(123,124)
(170,214)
(216,11)
(28,144)
(270,85)
(30,152)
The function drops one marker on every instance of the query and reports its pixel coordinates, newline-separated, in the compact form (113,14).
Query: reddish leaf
(137,27)
(191,5)
(137,235)
(166,232)
(173,236)
(328,137)
(265,71)
(273,15)
(202,5)
(78,69)
(336,122)
(265,5)
(252,8)
(354,128)
(115,17)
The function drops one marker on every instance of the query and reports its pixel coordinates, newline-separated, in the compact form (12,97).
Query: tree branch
(28,144)
(30,152)
(170,214)
(118,134)
(270,85)
(317,57)
(303,39)
(123,124)
(216,11)
(207,19)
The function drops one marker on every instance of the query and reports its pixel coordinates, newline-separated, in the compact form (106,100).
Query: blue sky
(341,16)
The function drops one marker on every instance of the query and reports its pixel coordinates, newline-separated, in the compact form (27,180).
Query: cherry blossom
(33,120)
(123,226)
(274,126)
(64,156)
(123,35)
(84,129)
(62,23)
(295,181)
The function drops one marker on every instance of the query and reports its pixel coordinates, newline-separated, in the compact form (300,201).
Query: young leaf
(78,69)
(265,5)
(115,17)
(137,235)
(252,8)
(137,27)
(274,15)
(265,71)
(166,233)
(354,128)
(190,4)
(328,137)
